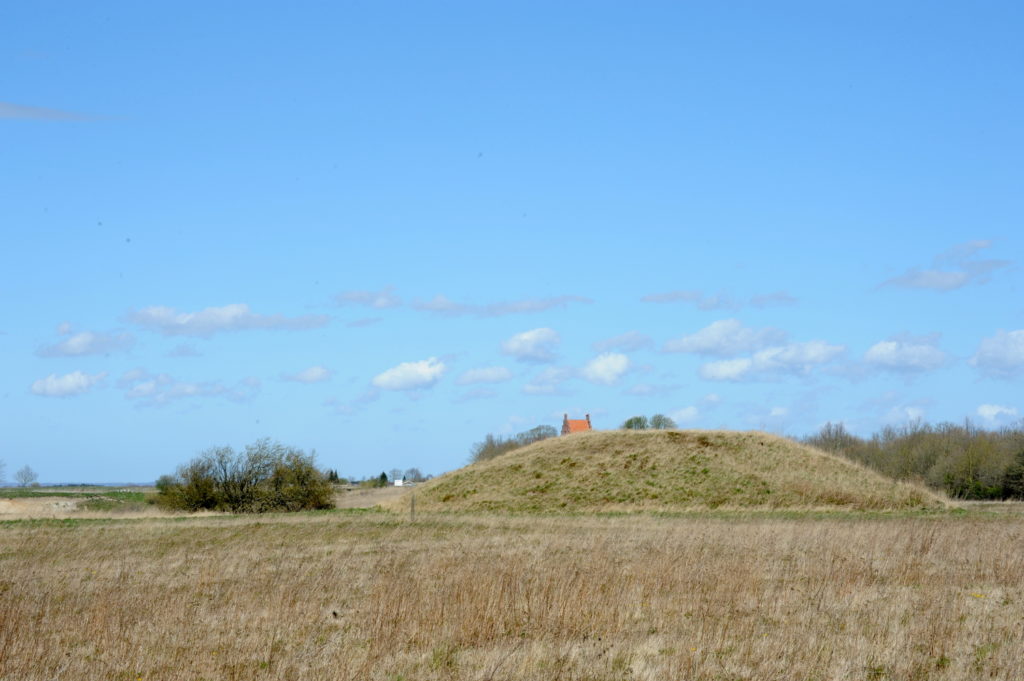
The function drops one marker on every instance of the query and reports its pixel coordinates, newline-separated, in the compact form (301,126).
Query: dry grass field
(370,595)
(668,470)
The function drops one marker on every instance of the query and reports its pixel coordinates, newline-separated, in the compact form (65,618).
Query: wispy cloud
(650,389)
(38,113)
(477,394)
(548,382)
(951,270)
(444,306)
(411,375)
(630,341)
(380,300)
(184,350)
(314,374)
(87,343)
(365,321)
(157,390)
(772,299)
(68,385)
(484,375)
(213,320)
(720,301)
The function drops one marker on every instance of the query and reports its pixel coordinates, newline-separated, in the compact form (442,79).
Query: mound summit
(670,470)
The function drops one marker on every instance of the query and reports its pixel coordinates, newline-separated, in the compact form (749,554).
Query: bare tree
(25,476)
(414,475)
(662,422)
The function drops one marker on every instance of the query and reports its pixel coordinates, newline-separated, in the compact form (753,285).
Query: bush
(267,476)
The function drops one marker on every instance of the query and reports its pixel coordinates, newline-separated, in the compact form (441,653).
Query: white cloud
(951,270)
(995,412)
(606,369)
(548,381)
(314,374)
(207,322)
(727,369)
(685,415)
(906,355)
(536,345)
(778,412)
(794,358)
(626,342)
(87,343)
(411,375)
(726,337)
(485,375)
(1002,355)
(380,300)
(443,305)
(67,385)
(155,390)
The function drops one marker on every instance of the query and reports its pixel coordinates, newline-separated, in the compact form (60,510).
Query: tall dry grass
(669,470)
(375,597)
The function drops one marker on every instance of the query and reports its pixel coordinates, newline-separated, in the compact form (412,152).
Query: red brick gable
(575,425)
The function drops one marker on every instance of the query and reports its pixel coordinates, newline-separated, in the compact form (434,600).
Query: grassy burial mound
(668,471)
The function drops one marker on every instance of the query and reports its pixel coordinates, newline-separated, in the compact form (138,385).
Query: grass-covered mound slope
(668,471)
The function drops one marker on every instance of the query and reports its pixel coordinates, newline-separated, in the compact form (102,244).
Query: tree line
(962,460)
(495,445)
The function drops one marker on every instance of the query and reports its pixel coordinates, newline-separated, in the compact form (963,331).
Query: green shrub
(267,476)
(1013,479)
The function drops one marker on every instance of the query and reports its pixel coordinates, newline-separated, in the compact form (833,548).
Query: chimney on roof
(588,419)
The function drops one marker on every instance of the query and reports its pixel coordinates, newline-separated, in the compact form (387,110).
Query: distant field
(52,502)
(369,595)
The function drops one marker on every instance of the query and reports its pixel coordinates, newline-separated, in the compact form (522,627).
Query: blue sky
(384,230)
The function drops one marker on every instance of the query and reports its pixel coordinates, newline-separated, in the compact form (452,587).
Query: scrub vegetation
(651,470)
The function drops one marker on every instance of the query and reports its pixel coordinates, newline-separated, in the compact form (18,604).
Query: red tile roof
(577,426)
